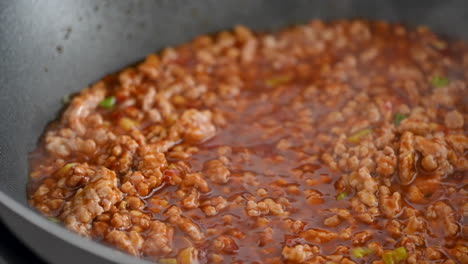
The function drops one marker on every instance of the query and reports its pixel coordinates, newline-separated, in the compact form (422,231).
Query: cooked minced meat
(341,142)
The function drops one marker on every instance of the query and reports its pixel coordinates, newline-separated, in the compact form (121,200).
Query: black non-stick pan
(52,48)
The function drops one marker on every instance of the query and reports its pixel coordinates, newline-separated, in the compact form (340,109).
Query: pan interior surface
(56,48)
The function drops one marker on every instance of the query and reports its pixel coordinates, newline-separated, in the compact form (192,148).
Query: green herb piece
(167,261)
(66,99)
(395,256)
(277,80)
(361,252)
(108,102)
(387,258)
(400,254)
(398,118)
(439,81)
(356,137)
(341,196)
(55,220)
(66,168)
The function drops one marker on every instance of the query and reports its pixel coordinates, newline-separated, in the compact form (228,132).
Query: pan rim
(66,235)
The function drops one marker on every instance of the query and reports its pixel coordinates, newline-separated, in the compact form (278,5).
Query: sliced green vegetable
(54,219)
(395,256)
(398,118)
(387,258)
(108,102)
(167,261)
(341,196)
(356,137)
(361,252)
(66,99)
(439,81)
(277,80)
(400,254)
(67,167)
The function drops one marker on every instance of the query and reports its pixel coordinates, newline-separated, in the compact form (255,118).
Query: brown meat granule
(131,242)
(216,171)
(445,215)
(97,197)
(158,240)
(195,126)
(454,119)
(298,253)
(318,236)
(407,158)
(191,200)
(224,244)
(390,204)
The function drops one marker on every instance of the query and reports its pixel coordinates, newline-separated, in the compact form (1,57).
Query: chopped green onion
(54,219)
(398,118)
(108,102)
(438,81)
(361,252)
(400,254)
(277,80)
(356,137)
(64,170)
(167,261)
(66,99)
(341,196)
(394,256)
(387,258)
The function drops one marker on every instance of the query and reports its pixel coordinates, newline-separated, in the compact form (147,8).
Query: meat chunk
(224,244)
(131,242)
(66,141)
(454,119)
(407,158)
(185,224)
(386,162)
(298,253)
(390,204)
(147,177)
(81,106)
(362,180)
(214,205)
(443,214)
(97,197)
(195,126)
(318,236)
(122,153)
(216,171)
(265,207)
(360,238)
(195,180)
(191,201)
(159,239)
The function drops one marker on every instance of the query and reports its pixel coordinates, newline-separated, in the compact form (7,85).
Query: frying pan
(52,48)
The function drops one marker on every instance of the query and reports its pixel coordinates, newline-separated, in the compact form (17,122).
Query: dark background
(12,251)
